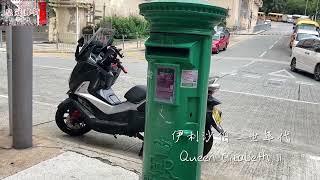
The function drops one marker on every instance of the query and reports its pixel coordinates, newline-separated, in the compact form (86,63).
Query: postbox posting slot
(168,51)
(185,52)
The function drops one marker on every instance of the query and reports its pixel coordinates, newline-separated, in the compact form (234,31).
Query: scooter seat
(136,94)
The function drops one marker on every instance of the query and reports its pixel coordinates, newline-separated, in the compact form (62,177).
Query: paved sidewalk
(48,160)
(71,165)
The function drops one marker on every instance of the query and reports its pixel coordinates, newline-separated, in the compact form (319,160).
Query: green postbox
(178,52)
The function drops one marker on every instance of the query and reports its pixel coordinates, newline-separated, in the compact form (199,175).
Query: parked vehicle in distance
(284,18)
(261,16)
(290,19)
(222,29)
(220,41)
(307,24)
(306,56)
(277,17)
(302,34)
(268,22)
(298,18)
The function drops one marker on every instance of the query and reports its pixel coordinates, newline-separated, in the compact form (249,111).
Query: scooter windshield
(103,35)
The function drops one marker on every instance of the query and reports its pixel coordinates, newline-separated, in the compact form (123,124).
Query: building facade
(67,18)
(242,14)
(117,7)
(70,16)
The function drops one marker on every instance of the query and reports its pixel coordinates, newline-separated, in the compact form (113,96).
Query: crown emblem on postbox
(163,145)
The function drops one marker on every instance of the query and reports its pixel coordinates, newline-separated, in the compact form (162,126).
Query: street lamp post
(305,11)
(77,20)
(317,10)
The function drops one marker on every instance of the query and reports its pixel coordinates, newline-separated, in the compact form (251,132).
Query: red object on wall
(42,13)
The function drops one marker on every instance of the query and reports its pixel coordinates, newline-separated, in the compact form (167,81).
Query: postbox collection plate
(189,78)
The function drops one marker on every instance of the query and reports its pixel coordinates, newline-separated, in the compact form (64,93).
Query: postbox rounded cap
(182,16)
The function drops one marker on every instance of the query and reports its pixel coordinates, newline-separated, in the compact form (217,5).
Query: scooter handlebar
(123,69)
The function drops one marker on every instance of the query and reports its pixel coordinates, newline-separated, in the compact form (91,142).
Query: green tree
(131,27)
(275,6)
(289,6)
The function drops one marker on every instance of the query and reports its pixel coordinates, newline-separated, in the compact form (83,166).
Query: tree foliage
(131,27)
(289,6)
(276,6)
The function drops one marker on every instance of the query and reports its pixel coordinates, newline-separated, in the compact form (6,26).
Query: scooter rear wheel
(70,121)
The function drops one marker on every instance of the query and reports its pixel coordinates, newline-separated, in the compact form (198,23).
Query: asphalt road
(261,98)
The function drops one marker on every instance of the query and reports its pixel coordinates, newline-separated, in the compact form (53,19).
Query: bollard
(9,73)
(0,38)
(22,47)
(57,41)
(123,42)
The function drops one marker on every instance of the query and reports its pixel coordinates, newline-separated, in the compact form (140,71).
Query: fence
(67,42)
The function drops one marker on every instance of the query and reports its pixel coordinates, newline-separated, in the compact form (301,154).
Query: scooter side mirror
(81,41)
(214,87)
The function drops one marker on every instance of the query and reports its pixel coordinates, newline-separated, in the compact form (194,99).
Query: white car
(290,20)
(306,56)
(303,33)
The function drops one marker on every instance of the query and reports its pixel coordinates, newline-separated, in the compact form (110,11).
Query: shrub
(131,27)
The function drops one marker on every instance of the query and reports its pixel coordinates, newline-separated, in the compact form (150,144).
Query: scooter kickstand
(115,136)
(141,150)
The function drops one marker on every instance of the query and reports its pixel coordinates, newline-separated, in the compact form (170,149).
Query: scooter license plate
(216,114)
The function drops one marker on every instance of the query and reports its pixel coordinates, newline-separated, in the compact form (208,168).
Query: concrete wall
(234,9)
(242,13)
(64,23)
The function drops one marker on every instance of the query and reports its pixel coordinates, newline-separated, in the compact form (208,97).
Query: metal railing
(66,42)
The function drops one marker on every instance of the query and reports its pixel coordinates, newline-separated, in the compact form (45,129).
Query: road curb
(256,33)
(52,51)
(64,51)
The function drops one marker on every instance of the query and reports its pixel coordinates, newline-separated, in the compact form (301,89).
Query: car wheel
(317,73)
(293,65)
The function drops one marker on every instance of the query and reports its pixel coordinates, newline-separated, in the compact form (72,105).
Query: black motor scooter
(93,105)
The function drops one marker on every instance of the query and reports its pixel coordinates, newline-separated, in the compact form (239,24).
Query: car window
(316,48)
(304,35)
(308,44)
(316,45)
(300,43)
(307,27)
(216,37)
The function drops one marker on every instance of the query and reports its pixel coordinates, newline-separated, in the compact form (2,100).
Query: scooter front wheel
(70,120)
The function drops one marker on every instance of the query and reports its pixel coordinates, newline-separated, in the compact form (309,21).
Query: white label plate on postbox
(189,78)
